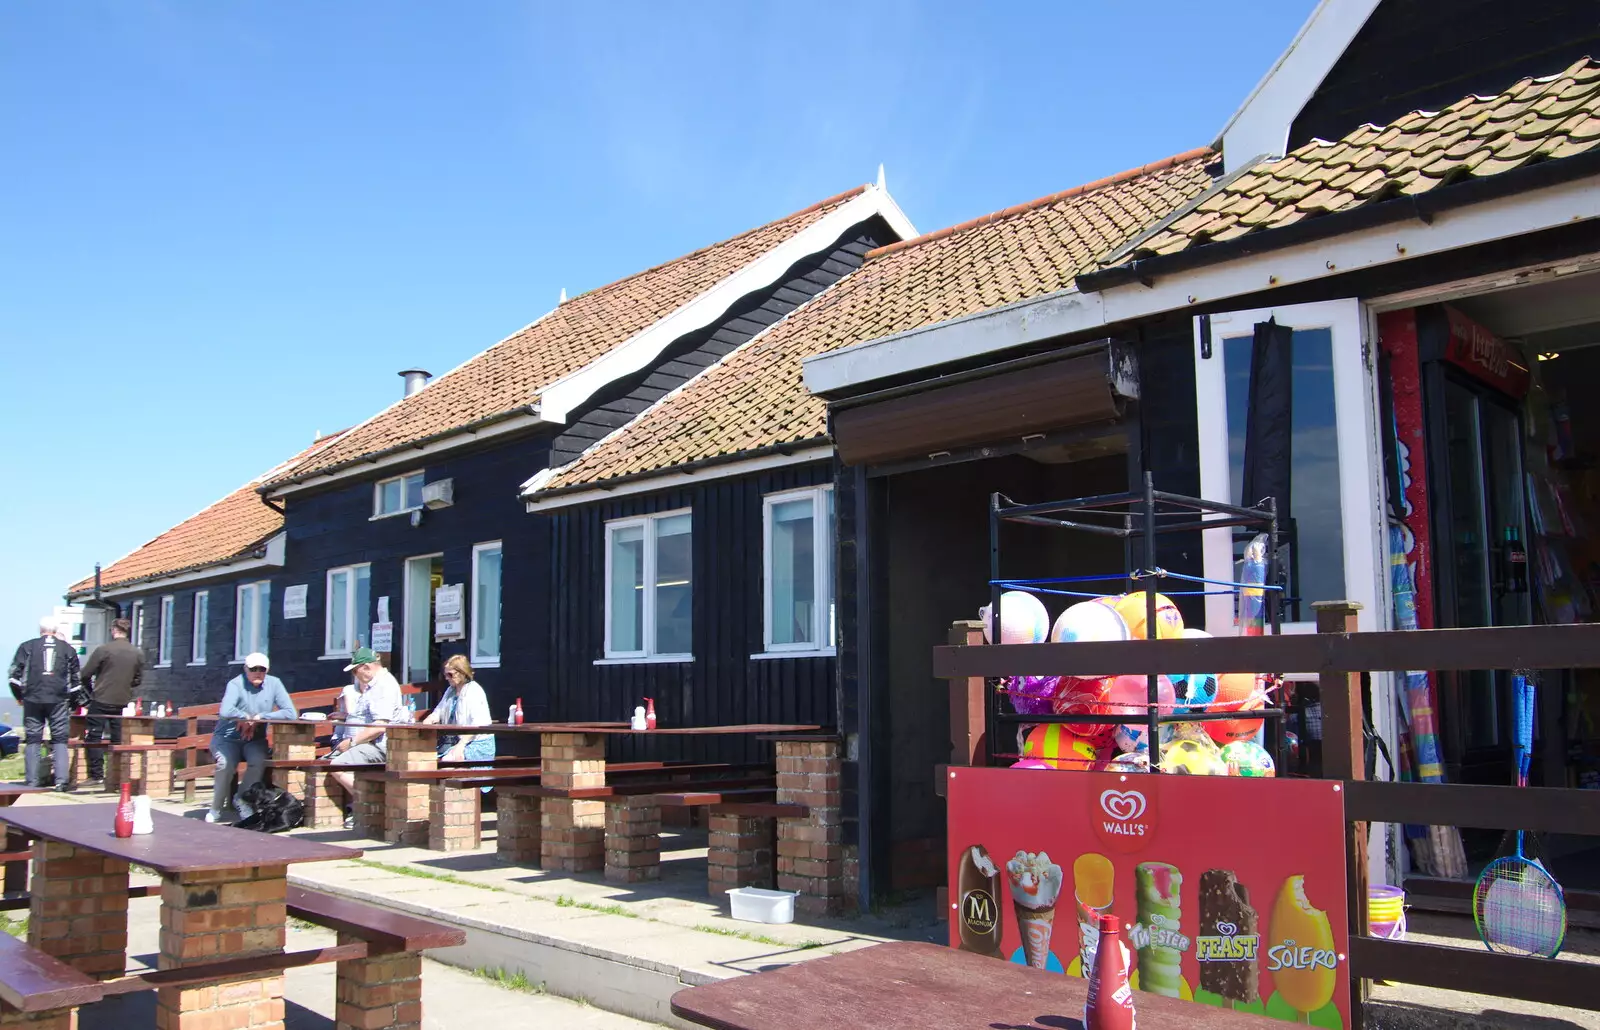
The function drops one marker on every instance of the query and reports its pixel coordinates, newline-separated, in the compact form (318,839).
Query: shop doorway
(423,577)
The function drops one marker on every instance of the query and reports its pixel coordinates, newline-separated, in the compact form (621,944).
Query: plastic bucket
(1394,931)
(1385,904)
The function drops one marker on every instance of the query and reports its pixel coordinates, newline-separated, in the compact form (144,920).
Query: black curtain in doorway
(1269,425)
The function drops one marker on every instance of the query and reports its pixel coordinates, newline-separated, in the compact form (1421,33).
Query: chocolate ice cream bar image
(978,917)
(1230,928)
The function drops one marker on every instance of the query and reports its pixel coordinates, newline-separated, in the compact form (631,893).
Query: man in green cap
(373,702)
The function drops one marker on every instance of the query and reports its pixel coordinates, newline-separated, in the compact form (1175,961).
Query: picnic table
(910,985)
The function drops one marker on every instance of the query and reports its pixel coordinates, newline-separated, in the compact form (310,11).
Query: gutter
(255,552)
(1423,208)
(686,468)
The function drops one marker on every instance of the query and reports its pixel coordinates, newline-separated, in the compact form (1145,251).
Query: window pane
(263,612)
(1316,527)
(672,586)
(165,654)
(414,490)
(793,572)
(244,620)
(827,582)
(361,613)
(339,613)
(389,494)
(486,610)
(627,589)
(197,645)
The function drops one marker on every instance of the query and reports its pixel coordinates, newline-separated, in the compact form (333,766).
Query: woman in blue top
(248,699)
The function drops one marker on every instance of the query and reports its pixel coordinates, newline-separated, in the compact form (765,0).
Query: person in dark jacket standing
(44,675)
(112,676)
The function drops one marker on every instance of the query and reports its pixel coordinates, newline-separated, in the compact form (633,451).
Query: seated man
(374,702)
(249,698)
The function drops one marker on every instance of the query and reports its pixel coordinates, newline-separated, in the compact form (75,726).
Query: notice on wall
(449,622)
(383,637)
(1232,889)
(294,602)
(383,609)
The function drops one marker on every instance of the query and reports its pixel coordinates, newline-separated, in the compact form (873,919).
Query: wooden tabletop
(14,790)
(909,985)
(689,731)
(177,846)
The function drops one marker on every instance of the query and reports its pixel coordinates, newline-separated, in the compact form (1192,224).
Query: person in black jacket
(44,676)
(112,676)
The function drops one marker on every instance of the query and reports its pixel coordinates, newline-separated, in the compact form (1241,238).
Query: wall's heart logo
(1126,805)
(1227,929)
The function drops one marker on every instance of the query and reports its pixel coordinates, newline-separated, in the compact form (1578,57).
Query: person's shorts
(361,754)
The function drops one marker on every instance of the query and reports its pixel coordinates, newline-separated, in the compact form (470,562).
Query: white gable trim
(560,399)
(668,480)
(1072,312)
(272,559)
(1261,125)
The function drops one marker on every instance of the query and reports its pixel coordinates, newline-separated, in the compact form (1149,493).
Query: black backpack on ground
(272,809)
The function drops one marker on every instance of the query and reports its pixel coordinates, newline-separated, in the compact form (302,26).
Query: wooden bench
(44,987)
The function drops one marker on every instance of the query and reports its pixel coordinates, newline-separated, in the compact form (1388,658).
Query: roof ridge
(1053,198)
(836,198)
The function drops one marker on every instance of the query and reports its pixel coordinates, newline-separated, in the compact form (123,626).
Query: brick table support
(573,832)
(212,917)
(55,1019)
(454,818)
(811,850)
(633,839)
(383,993)
(130,766)
(740,853)
(368,806)
(406,804)
(293,743)
(79,908)
(518,829)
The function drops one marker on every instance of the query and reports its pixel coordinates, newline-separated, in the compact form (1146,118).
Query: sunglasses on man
(257,668)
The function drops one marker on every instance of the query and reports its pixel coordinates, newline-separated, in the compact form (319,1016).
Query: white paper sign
(383,609)
(383,636)
(448,623)
(294,602)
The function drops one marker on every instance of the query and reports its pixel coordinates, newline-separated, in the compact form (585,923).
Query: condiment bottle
(1110,1004)
(123,826)
(650,713)
(517,719)
(638,722)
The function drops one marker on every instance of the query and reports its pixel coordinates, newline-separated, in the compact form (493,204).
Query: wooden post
(1344,758)
(966,703)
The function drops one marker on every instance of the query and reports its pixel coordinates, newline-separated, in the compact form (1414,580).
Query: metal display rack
(1133,517)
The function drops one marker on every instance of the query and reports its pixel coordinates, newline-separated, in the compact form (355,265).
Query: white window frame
(487,661)
(136,624)
(328,650)
(169,605)
(410,599)
(823,641)
(377,495)
(647,619)
(199,626)
(262,618)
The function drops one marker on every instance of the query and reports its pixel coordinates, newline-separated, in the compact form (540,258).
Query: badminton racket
(1518,907)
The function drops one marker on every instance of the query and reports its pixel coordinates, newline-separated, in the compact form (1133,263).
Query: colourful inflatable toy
(1130,695)
(1191,758)
(1058,747)
(1236,692)
(1169,623)
(1247,758)
(1023,619)
(1088,620)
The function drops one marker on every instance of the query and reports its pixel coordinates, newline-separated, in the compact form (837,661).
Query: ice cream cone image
(1035,888)
(1092,876)
(1161,944)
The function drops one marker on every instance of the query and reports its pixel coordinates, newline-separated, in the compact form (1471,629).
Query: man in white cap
(374,701)
(248,699)
(44,674)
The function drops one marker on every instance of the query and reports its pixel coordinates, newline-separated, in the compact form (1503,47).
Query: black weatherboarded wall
(723,685)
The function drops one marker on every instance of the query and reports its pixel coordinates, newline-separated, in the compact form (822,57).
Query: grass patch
(759,938)
(12,768)
(15,927)
(427,874)
(563,901)
(510,981)
(296,923)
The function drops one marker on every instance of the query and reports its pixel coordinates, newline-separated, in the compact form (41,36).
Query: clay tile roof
(232,528)
(1534,120)
(754,400)
(511,374)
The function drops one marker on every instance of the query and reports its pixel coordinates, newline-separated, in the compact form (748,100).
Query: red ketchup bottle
(123,827)
(649,713)
(1110,1004)
(516,720)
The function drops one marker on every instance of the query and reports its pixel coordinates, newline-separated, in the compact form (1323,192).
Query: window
(797,529)
(254,606)
(136,624)
(164,639)
(349,611)
(197,641)
(486,604)
(648,587)
(397,496)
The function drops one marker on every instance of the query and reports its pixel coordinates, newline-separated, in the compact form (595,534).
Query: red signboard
(1485,356)
(1233,888)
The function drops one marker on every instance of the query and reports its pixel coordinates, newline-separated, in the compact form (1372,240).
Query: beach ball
(1169,623)
(1173,732)
(1247,758)
(1089,620)
(1236,692)
(1129,695)
(1031,763)
(1058,747)
(1024,619)
(1133,762)
(1080,696)
(1195,689)
(1191,758)
(1032,695)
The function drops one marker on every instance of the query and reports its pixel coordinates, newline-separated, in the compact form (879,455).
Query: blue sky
(227,225)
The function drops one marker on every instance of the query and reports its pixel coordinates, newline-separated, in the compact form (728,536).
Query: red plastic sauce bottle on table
(649,713)
(123,827)
(1110,1004)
